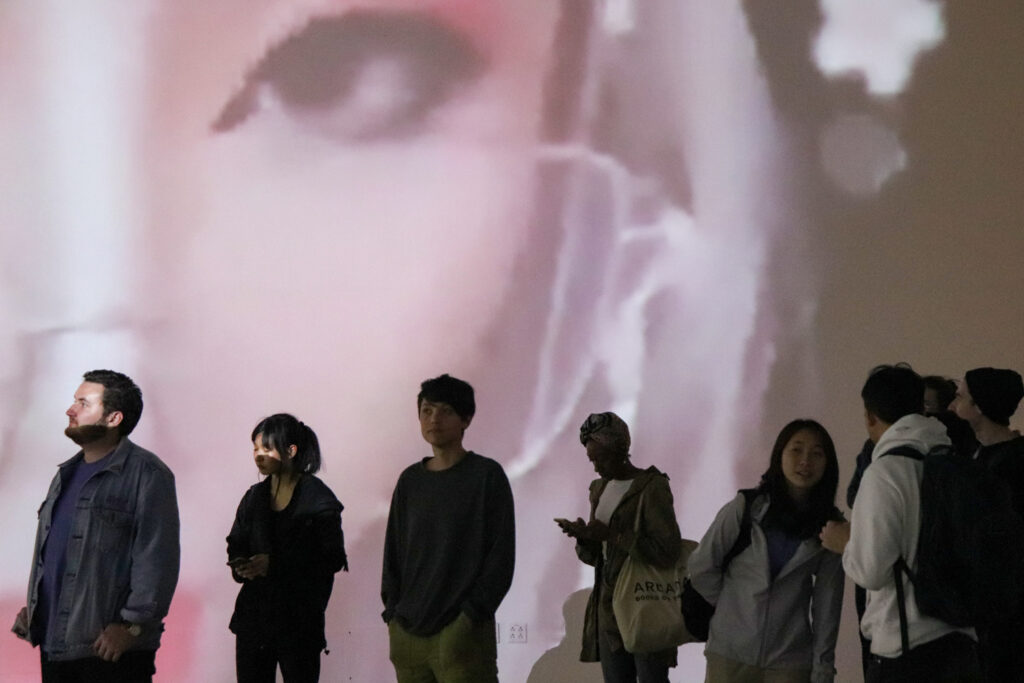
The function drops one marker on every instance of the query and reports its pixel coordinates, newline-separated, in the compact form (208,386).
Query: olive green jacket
(658,543)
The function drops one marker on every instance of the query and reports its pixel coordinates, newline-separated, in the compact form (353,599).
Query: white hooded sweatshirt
(885,525)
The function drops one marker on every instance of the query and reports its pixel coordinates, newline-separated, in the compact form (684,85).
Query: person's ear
(870,419)
(292,450)
(114,418)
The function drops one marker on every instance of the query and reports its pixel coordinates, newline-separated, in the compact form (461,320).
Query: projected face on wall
(330,202)
(313,206)
(344,194)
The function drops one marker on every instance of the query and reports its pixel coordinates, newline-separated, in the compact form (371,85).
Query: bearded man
(107,547)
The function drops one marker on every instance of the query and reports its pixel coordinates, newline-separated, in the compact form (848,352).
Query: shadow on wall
(562,663)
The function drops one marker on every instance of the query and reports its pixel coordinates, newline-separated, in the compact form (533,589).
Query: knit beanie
(996,392)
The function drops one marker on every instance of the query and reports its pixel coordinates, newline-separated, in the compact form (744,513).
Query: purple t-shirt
(781,547)
(55,549)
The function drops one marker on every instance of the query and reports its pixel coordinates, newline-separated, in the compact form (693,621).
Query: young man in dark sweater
(986,399)
(449,552)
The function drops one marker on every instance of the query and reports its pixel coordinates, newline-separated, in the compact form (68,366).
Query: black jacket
(287,606)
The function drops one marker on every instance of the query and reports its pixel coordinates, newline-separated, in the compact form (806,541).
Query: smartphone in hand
(571,528)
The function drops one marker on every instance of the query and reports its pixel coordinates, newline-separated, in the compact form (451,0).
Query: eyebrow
(798,442)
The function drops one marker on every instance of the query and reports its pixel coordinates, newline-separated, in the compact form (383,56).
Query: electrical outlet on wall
(517,633)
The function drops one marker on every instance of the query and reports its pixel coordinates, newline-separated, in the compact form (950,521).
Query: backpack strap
(901,566)
(742,541)
(906,451)
(898,570)
(639,510)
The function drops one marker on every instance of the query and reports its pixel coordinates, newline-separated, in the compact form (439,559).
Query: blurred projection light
(859,154)
(879,39)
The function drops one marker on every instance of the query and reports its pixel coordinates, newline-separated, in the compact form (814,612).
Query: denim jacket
(122,558)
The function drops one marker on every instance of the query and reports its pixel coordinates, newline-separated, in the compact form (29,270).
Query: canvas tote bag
(646,601)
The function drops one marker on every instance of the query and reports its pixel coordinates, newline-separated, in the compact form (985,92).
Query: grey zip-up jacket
(123,553)
(791,622)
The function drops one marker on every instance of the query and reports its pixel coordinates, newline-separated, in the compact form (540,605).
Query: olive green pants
(724,670)
(463,652)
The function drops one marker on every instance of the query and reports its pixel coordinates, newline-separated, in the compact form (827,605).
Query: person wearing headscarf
(621,495)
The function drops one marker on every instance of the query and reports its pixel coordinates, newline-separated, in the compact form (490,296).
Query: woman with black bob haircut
(285,547)
(777,602)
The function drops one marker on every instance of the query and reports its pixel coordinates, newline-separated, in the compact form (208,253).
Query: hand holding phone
(250,568)
(570,528)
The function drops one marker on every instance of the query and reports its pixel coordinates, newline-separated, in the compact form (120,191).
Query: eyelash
(323,69)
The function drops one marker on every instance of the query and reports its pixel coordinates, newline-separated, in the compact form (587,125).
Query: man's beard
(84,435)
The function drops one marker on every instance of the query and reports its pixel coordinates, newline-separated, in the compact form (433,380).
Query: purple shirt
(781,549)
(55,550)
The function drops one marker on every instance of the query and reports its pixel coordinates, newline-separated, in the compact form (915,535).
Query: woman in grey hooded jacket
(777,603)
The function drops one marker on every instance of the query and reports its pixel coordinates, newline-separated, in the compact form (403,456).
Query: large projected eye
(363,76)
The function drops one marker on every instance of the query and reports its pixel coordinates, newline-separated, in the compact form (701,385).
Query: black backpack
(970,548)
(697,611)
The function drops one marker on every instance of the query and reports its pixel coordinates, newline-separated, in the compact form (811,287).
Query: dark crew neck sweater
(450,545)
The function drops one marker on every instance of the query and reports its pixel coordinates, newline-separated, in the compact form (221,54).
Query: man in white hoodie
(885,526)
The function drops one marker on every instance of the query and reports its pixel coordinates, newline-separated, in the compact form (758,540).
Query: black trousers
(1001,648)
(953,658)
(256,663)
(137,666)
(860,602)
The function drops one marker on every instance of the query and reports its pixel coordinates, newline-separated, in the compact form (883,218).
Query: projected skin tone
(331,201)
(336,235)
(340,210)
(575,205)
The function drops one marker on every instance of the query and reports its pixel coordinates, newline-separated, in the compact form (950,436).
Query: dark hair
(959,430)
(120,394)
(783,513)
(892,391)
(451,390)
(945,389)
(281,430)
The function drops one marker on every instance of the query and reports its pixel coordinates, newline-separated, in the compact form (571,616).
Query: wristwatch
(134,630)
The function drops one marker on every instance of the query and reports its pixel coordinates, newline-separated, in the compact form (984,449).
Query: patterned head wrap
(606,428)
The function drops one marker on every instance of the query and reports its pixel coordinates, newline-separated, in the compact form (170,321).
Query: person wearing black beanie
(996,392)
(986,399)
